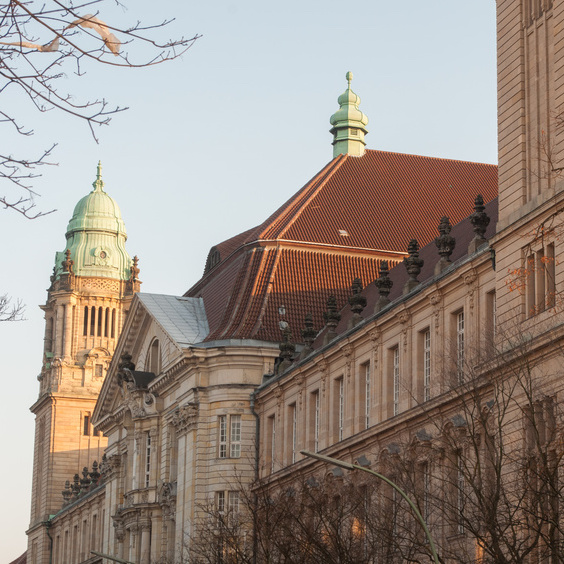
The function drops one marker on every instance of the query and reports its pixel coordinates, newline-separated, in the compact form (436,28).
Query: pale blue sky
(216,141)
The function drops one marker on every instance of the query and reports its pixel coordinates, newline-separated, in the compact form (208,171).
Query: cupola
(349,124)
(96,237)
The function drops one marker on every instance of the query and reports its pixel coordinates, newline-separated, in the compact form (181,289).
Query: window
(153,361)
(314,403)
(233,498)
(460,346)
(85,330)
(235,451)
(148,460)
(294,429)
(229,443)
(491,318)
(540,280)
(395,380)
(426,337)
(339,411)
(98,370)
(366,385)
(271,431)
(86,425)
(220,502)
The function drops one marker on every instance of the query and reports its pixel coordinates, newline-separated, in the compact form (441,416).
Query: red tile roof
(21,560)
(355,212)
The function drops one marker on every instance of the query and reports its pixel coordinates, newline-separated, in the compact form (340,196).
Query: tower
(349,124)
(93,282)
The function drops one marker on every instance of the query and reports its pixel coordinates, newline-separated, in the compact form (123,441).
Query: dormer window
(153,362)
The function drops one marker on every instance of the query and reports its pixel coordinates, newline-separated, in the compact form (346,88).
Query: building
(175,404)
(450,380)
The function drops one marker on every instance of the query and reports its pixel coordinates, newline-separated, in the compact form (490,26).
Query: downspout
(47,527)
(255,497)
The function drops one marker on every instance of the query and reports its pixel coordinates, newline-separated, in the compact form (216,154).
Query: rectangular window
(396,380)
(367,382)
(294,423)
(98,370)
(234,499)
(460,346)
(229,443)
(220,502)
(539,271)
(315,419)
(426,365)
(86,425)
(271,422)
(340,408)
(235,436)
(223,436)
(148,460)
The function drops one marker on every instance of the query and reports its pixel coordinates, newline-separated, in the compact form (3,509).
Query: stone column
(145,526)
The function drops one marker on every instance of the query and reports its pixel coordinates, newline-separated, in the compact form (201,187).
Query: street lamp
(350,466)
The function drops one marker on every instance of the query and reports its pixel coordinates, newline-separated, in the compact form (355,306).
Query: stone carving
(357,301)
(185,417)
(287,350)
(445,245)
(384,285)
(332,318)
(413,265)
(308,336)
(480,221)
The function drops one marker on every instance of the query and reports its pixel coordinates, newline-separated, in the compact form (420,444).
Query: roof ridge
(307,192)
(429,157)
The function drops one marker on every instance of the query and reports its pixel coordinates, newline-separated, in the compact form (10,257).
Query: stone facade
(180,414)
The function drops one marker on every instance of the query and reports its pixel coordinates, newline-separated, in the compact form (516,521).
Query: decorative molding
(185,417)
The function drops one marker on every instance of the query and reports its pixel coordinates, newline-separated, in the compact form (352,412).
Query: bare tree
(42,42)
(10,311)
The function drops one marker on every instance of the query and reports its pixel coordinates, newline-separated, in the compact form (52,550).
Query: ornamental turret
(349,124)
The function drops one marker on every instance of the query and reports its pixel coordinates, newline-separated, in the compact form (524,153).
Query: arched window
(113,323)
(153,363)
(107,323)
(100,321)
(85,333)
(92,320)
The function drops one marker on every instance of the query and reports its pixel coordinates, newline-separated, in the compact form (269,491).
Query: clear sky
(215,141)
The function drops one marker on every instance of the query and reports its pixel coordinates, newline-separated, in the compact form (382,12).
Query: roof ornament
(68,262)
(480,221)
(287,350)
(308,336)
(384,285)
(67,493)
(332,318)
(445,244)
(357,301)
(413,265)
(98,184)
(349,124)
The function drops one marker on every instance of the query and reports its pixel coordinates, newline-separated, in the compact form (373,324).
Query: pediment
(155,325)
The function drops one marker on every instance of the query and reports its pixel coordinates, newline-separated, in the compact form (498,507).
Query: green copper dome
(349,124)
(96,237)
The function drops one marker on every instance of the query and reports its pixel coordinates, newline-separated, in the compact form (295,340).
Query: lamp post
(350,466)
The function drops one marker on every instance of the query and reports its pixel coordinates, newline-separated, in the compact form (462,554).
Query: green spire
(96,236)
(349,124)
(98,184)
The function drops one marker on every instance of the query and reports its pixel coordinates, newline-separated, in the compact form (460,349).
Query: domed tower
(349,124)
(92,285)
